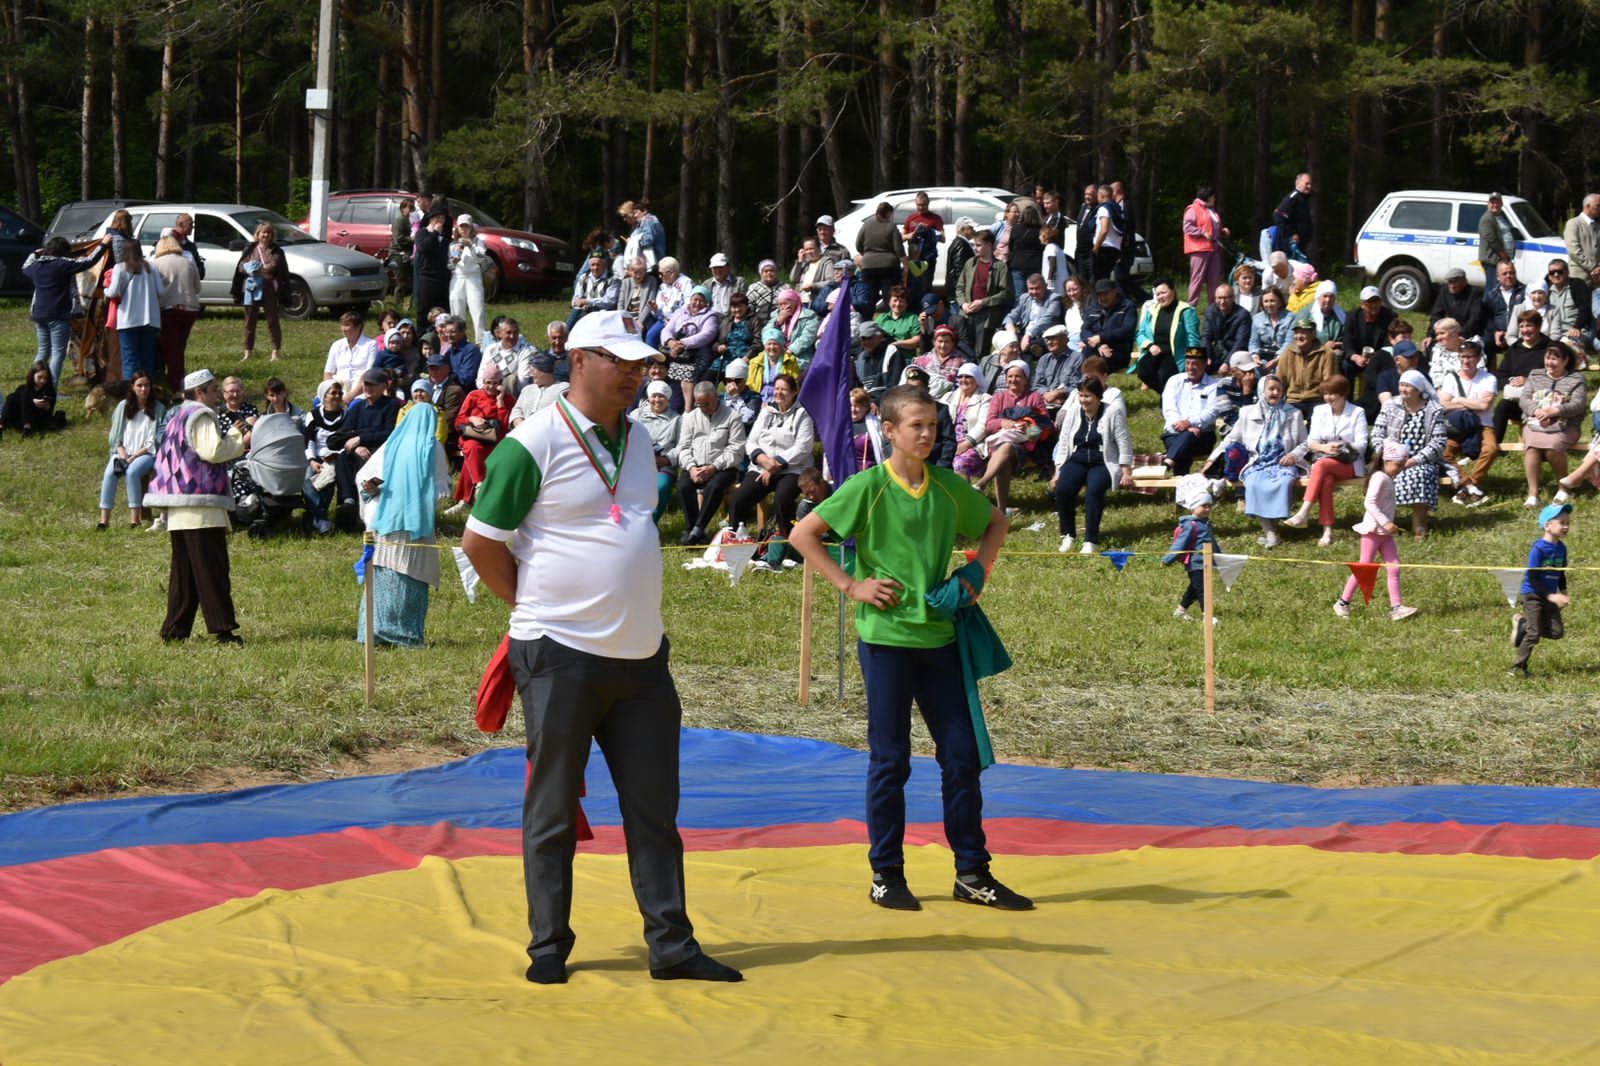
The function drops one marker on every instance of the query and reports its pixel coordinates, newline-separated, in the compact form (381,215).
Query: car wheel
(1405,288)
(298,304)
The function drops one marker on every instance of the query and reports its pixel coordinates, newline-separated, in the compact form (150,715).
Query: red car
(527,262)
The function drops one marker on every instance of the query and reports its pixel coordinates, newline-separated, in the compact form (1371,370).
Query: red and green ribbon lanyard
(610,481)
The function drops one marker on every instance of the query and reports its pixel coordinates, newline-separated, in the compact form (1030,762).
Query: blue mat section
(736,780)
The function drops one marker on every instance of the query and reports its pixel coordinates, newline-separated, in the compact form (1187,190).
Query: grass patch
(91,700)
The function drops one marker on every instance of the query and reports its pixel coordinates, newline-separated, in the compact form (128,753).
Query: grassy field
(92,702)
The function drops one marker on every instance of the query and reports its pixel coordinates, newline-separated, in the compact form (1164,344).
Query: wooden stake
(371,636)
(806,581)
(1209,619)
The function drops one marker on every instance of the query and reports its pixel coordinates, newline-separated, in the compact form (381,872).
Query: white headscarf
(972,370)
(1417,380)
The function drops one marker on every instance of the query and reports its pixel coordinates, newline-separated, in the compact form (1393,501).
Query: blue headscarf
(406,502)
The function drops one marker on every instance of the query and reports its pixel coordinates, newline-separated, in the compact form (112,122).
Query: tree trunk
(411,70)
(238,123)
(918,104)
(119,125)
(189,119)
(1436,97)
(1372,171)
(1532,56)
(962,120)
(655,73)
(1260,191)
(688,187)
(883,158)
(436,72)
(1106,60)
(806,202)
(725,131)
(941,120)
(537,22)
(380,119)
(781,206)
(169,56)
(86,118)
(1357,156)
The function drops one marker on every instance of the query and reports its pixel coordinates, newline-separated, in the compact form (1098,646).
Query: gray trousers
(1541,619)
(630,707)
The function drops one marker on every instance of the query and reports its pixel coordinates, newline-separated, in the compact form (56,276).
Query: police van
(1416,235)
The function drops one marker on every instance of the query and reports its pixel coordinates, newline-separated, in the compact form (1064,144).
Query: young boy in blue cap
(1544,587)
(905,515)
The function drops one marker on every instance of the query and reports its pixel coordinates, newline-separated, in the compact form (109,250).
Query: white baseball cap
(719,260)
(825,220)
(1370,293)
(615,331)
(737,370)
(464,219)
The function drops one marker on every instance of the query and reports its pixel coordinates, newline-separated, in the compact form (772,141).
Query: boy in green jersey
(905,515)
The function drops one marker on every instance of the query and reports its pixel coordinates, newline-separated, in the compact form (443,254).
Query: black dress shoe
(701,967)
(548,970)
(230,638)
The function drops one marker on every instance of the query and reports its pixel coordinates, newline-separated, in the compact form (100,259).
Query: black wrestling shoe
(701,967)
(889,889)
(230,637)
(980,887)
(548,970)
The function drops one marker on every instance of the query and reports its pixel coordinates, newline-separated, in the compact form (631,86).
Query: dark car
(19,239)
(527,262)
(80,220)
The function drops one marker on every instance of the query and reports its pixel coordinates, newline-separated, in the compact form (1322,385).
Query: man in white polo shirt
(352,355)
(562,531)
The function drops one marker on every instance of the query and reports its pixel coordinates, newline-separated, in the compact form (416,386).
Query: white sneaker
(1474,496)
(1341,608)
(1066,544)
(1298,520)
(1089,548)
(1326,540)
(1401,613)
(1562,496)
(1271,540)
(1182,615)
(158,525)
(1453,473)
(1531,501)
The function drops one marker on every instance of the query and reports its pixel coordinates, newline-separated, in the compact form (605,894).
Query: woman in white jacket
(469,261)
(968,404)
(780,446)
(1270,430)
(1093,453)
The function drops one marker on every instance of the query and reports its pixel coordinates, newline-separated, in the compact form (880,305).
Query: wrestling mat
(1181,920)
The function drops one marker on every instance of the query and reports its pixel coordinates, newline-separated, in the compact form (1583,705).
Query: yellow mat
(1229,955)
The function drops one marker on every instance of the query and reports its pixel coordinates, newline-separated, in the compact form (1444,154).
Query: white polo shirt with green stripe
(587,577)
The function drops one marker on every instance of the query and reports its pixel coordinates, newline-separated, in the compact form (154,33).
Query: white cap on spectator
(658,388)
(464,219)
(1241,361)
(737,370)
(719,260)
(615,331)
(1057,330)
(1001,339)
(1370,293)
(198,378)
(963,222)
(825,220)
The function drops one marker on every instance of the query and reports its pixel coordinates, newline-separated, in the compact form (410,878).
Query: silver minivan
(320,274)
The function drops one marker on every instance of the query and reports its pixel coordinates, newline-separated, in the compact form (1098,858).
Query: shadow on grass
(1161,894)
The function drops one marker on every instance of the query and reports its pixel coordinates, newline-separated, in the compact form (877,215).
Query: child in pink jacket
(1377,531)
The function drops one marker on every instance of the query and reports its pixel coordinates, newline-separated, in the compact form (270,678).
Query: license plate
(561,265)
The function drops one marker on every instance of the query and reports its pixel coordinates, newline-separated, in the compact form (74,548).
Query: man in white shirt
(1467,395)
(561,529)
(1189,413)
(352,355)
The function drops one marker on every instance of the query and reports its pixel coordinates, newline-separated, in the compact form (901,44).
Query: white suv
(1416,235)
(950,202)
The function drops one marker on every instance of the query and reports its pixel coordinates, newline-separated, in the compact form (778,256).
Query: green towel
(982,654)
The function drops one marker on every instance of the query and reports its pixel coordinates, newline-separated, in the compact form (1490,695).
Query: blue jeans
(54,336)
(932,676)
(138,350)
(137,469)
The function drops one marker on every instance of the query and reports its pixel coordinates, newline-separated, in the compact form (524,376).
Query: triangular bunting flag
(737,555)
(1510,583)
(1366,575)
(1228,568)
(361,564)
(1119,559)
(469,574)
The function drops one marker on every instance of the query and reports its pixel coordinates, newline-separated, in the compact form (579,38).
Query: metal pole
(319,102)
(806,581)
(1209,619)
(841,647)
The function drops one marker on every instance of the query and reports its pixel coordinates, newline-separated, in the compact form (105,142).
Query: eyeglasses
(625,366)
(1558,273)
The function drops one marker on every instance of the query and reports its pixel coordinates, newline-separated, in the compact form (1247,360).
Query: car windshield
(1532,222)
(479,219)
(287,232)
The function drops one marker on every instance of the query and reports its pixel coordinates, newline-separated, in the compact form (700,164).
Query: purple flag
(825,394)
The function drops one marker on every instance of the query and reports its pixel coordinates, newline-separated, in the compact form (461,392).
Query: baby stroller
(276,472)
